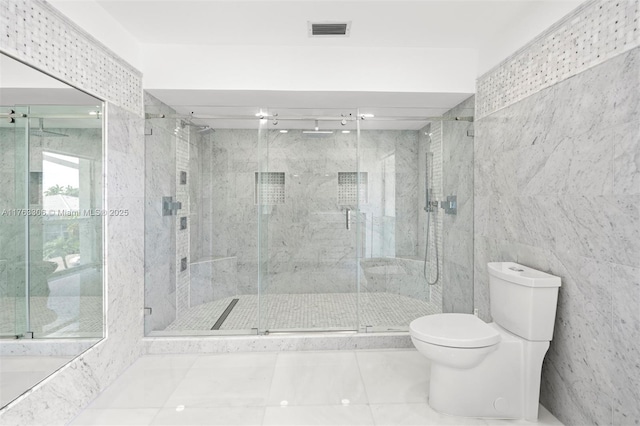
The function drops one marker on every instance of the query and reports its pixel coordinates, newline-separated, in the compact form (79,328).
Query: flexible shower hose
(426,253)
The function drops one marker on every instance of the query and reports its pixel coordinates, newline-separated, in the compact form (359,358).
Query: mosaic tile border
(595,32)
(38,34)
(182,236)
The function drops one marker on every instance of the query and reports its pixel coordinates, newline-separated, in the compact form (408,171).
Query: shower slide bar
(469,119)
(306,118)
(11,115)
(250,117)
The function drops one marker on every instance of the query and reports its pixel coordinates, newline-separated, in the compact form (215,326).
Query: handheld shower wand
(430,207)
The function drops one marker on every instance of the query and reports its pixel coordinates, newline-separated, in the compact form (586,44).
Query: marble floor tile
(140,389)
(236,360)
(225,380)
(394,376)
(285,388)
(316,378)
(417,414)
(545,418)
(209,416)
(115,416)
(162,362)
(319,415)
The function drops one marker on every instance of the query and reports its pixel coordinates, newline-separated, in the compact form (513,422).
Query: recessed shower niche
(270,188)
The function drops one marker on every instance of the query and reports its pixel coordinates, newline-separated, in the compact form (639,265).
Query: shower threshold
(295,313)
(298,331)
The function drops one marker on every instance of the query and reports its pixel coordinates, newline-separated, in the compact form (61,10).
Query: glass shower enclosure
(266,220)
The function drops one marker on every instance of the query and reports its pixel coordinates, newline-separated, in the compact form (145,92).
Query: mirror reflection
(51,225)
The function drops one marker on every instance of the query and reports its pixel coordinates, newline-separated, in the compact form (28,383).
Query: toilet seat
(454,330)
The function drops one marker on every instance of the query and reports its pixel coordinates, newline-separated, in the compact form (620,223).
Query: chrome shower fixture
(205,129)
(40,131)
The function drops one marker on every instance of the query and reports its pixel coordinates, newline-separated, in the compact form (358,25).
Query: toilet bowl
(454,340)
(492,370)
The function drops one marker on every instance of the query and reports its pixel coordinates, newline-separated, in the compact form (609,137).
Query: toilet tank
(523,300)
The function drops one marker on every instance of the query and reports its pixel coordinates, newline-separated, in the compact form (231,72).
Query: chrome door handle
(348,218)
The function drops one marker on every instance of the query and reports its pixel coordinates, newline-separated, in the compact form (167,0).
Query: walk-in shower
(288,220)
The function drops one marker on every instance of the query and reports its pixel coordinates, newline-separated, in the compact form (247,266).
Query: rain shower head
(205,129)
(202,129)
(316,132)
(41,132)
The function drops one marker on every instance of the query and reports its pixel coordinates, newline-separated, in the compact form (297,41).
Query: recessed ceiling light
(284,131)
(346,131)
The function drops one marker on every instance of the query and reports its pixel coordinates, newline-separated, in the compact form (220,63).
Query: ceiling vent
(329,29)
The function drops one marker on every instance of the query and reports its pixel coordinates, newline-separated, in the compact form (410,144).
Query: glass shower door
(308,191)
(65,222)
(13,301)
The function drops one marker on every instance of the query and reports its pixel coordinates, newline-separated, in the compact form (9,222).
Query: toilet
(492,370)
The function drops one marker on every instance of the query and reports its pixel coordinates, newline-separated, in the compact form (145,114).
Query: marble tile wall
(557,187)
(318,255)
(59,398)
(431,140)
(227,221)
(405,147)
(213,280)
(596,31)
(403,276)
(308,247)
(457,171)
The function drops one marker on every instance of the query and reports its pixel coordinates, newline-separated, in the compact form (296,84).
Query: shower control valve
(450,206)
(169,206)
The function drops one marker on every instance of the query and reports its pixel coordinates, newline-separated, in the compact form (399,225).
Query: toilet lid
(454,330)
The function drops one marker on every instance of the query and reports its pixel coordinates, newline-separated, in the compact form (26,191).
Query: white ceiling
(418,23)
(198,56)
(492,29)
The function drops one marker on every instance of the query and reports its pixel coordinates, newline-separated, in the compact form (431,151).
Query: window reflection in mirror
(51,225)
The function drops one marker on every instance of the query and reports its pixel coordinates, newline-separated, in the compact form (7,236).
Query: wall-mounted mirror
(51,225)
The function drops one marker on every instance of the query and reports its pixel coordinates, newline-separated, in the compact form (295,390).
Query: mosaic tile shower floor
(324,311)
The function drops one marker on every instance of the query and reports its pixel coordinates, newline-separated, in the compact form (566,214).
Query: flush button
(513,268)
(501,405)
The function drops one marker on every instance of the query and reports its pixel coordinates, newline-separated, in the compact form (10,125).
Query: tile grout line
(364,387)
